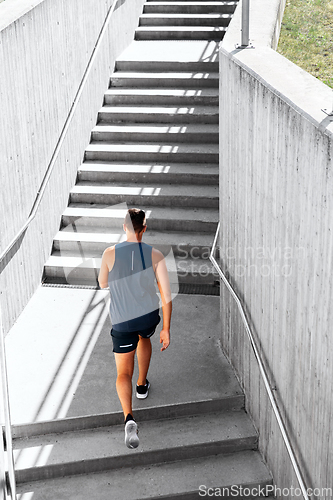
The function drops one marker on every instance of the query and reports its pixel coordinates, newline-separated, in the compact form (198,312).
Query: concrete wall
(45,47)
(276,210)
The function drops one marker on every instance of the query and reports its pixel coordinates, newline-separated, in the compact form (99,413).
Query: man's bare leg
(143,353)
(125,367)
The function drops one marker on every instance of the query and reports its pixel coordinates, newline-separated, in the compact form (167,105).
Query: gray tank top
(134,304)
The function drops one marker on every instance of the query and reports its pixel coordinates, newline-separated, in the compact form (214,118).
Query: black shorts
(128,341)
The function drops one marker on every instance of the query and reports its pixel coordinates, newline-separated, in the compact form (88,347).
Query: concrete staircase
(155,146)
(185,20)
(183,448)
(193,428)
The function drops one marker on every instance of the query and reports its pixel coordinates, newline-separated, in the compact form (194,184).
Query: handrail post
(327,111)
(245,23)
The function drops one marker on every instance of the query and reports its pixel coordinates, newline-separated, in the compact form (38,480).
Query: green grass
(307,37)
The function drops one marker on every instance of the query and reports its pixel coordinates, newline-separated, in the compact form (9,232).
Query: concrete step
(164,65)
(180,32)
(170,55)
(183,245)
(83,270)
(230,399)
(159,114)
(132,132)
(154,152)
(184,20)
(159,96)
(225,2)
(161,441)
(187,7)
(166,79)
(100,218)
(151,194)
(237,472)
(178,173)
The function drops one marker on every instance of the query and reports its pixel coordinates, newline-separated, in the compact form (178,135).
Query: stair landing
(62,339)
(176,51)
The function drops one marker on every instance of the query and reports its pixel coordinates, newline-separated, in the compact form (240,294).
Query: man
(130,269)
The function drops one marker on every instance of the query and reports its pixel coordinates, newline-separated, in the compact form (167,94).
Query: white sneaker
(131,434)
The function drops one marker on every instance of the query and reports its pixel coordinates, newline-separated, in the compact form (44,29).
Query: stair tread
(190,92)
(189,29)
(158,480)
(91,261)
(167,74)
(171,2)
(166,51)
(158,128)
(148,189)
(155,435)
(212,15)
(152,132)
(109,150)
(150,168)
(203,20)
(162,95)
(170,109)
(153,147)
(82,267)
(165,79)
(154,238)
(152,213)
(208,3)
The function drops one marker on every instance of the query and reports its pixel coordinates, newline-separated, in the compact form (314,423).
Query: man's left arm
(163,283)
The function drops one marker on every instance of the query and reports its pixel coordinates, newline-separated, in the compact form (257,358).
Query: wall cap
(295,86)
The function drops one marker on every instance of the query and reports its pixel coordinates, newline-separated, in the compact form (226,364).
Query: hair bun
(135,218)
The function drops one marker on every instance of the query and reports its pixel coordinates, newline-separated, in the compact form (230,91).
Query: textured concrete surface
(52,78)
(228,431)
(150,65)
(277,196)
(60,361)
(160,480)
(171,50)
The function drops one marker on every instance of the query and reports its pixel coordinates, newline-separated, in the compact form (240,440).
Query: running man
(130,270)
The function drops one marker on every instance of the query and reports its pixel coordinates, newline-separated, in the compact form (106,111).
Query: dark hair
(135,218)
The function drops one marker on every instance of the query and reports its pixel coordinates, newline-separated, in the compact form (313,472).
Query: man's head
(135,220)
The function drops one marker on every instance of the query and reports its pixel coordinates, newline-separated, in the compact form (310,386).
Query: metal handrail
(261,368)
(41,191)
(10,480)
(32,215)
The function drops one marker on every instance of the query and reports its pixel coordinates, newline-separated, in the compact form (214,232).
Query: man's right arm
(106,266)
